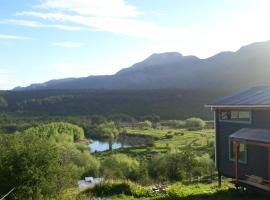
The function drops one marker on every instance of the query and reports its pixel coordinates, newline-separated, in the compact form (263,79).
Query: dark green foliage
(97,120)
(145,125)
(110,188)
(152,118)
(107,129)
(168,104)
(86,163)
(31,165)
(124,191)
(180,166)
(120,117)
(120,166)
(3,102)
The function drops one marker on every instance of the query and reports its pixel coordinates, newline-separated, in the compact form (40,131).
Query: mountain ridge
(243,68)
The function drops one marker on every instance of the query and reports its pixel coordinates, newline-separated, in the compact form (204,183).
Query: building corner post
(219,180)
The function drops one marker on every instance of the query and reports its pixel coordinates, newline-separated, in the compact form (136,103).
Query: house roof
(253,97)
(252,135)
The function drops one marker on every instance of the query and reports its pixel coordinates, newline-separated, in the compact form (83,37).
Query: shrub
(205,165)
(194,123)
(174,123)
(120,166)
(89,164)
(150,144)
(145,125)
(152,118)
(179,133)
(108,129)
(35,166)
(122,118)
(168,136)
(110,188)
(58,130)
(97,120)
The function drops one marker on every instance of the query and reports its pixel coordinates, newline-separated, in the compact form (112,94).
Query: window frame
(236,121)
(245,153)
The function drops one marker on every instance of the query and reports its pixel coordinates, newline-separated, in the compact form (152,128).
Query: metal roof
(252,134)
(254,97)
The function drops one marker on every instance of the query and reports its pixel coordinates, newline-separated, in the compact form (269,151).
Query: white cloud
(101,8)
(35,24)
(124,26)
(114,16)
(227,32)
(13,37)
(67,44)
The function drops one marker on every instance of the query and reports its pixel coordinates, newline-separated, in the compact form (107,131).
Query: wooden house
(242,126)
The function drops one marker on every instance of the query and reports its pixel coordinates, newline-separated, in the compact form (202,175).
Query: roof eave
(236,106)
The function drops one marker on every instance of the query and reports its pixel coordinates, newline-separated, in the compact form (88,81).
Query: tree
(58,131)
(34,166)
(152,118)
(145,125)
(120,166)
(107,130)
(97,120)
(194,123)
(205,165)
(3,102)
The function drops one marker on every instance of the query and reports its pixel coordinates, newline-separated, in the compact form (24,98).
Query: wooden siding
(257,157)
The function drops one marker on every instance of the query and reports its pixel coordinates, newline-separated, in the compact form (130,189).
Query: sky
(42,40)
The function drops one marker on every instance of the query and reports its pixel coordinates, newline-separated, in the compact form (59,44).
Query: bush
(107,129)
(59,131)
(122,118)
(35,166)
(174,123)
(194,123)
(152,118)
(120,166)
(88,163)
(173,166)
(150,144)
(168,136)
(145,125)
(97,120)
(205,165)
(179,133)
(110,188)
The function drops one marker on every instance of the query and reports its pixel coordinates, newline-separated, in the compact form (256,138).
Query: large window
(242,156)
(235,116)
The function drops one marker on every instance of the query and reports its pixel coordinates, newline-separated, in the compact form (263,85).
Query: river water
(99,145)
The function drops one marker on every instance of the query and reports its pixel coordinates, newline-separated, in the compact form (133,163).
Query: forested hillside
(169,104)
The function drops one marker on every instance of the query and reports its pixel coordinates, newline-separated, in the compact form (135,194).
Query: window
(242,152)
(235,116)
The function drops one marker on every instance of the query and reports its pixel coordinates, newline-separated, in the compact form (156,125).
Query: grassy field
(176,191)
(168,139)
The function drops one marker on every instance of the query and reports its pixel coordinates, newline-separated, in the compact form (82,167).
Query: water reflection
(99,145)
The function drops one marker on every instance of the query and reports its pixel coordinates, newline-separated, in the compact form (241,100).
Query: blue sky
(50,39)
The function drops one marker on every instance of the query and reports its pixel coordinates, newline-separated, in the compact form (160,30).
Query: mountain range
(249,66)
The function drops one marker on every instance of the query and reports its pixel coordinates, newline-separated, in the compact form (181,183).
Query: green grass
(201,140)
(156,133)
(177,191)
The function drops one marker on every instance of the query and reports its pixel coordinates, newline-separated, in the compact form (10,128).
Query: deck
(265,187)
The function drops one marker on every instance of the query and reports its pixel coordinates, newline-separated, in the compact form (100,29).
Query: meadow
(177,163)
